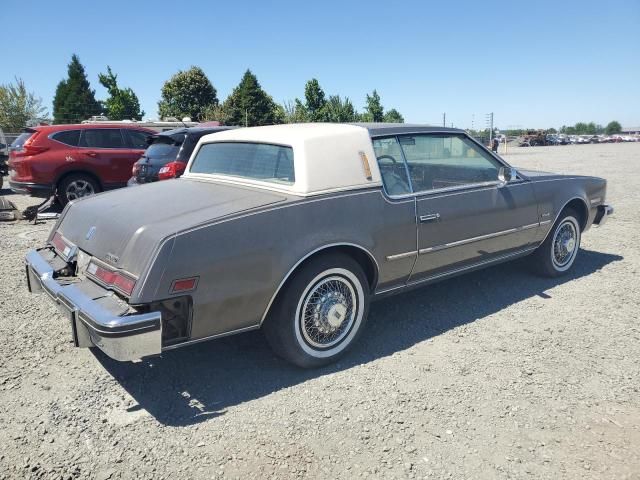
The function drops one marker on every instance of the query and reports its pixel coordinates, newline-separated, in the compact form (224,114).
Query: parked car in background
(168,153)
(75,161)
(295,229)
(4,154)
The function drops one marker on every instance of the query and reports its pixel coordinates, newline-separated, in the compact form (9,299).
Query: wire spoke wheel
(565,244)
(328,312)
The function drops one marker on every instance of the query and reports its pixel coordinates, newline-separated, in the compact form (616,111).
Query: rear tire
(320,312)
(76,186)
(557,254)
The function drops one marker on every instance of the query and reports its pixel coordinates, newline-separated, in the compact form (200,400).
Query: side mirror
(507,174)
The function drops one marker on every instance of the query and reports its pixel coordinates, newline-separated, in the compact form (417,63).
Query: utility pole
(489,117)
(444,119)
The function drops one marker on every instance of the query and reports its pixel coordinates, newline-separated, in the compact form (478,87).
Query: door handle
(91,153)
(432,217)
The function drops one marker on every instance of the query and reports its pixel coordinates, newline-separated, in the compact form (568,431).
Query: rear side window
(19,142)
(68,137)
(102,138)
(138,139)
(255,161)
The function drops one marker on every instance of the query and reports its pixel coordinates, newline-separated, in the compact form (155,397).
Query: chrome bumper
(603,213)
(123,338)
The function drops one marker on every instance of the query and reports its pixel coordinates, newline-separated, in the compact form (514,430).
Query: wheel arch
(579,205)
(78,171)
(360,254)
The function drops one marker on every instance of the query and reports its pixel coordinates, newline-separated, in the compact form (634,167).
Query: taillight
(112,278)
(29,150)
(171,170)
(61,245)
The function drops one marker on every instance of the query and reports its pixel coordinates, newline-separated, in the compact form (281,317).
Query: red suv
(74,160)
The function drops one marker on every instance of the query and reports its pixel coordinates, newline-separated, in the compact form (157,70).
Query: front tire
(320,312)
(557,254)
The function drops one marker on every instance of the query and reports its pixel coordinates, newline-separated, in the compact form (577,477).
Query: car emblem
(90,233)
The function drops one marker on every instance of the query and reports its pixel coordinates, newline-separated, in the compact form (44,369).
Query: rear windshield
(19,142)
(255,161)
(164,146)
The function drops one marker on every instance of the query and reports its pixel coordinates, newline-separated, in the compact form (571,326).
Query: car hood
(124,228)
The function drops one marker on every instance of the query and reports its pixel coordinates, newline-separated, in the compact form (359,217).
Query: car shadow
(193,384)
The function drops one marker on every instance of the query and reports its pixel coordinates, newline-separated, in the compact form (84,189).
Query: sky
(533,64)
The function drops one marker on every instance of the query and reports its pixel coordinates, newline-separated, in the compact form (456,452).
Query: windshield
(255,161)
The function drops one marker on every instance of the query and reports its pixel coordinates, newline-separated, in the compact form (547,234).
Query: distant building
(630,130)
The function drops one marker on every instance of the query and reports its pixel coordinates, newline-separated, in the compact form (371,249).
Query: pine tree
(250,105)
(74,100)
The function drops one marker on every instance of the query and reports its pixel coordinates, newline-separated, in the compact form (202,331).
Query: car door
(465,215)
(107,151)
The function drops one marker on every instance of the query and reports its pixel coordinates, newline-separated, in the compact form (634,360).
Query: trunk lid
(124,228)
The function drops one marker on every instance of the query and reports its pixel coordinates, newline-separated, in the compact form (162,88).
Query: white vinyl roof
(327,157)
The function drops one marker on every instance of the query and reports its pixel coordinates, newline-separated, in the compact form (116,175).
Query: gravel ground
(497,374)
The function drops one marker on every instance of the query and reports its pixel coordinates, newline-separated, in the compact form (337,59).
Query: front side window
(255,161)
(102,138)
(444,160)
(434,161)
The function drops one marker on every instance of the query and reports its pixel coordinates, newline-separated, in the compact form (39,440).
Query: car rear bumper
(34,189)
(123,338)
(603,213)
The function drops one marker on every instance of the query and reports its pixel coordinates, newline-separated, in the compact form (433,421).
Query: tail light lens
(112,278)
(62,246)
(171,170)
(29,150)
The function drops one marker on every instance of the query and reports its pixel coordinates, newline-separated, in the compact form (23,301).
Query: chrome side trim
(459,270)
(292,269)
(210,337)
(399,256)
(476,239)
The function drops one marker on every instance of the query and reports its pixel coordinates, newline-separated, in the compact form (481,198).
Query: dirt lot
(498,374)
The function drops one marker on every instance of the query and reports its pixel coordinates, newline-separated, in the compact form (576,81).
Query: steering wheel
(394,162)
(394,183)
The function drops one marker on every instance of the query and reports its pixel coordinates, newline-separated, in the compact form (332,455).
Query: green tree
(294,112)
(393,116)
(374,111)
(18,106)
(613,127)
(250,105)
(188,93)
(74,100)
(314,101)
(552,131)
(338,110)
(122,104)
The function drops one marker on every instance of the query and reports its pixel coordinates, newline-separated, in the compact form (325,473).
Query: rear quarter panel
(241,262)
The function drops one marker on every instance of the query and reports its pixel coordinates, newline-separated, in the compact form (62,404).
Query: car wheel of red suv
(76,186)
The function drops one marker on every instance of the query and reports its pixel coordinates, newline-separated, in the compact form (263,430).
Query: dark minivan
(168,154)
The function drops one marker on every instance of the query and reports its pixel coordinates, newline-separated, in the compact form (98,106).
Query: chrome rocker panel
(122,338)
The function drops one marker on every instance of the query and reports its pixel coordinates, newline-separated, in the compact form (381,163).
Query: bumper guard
(123,338)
